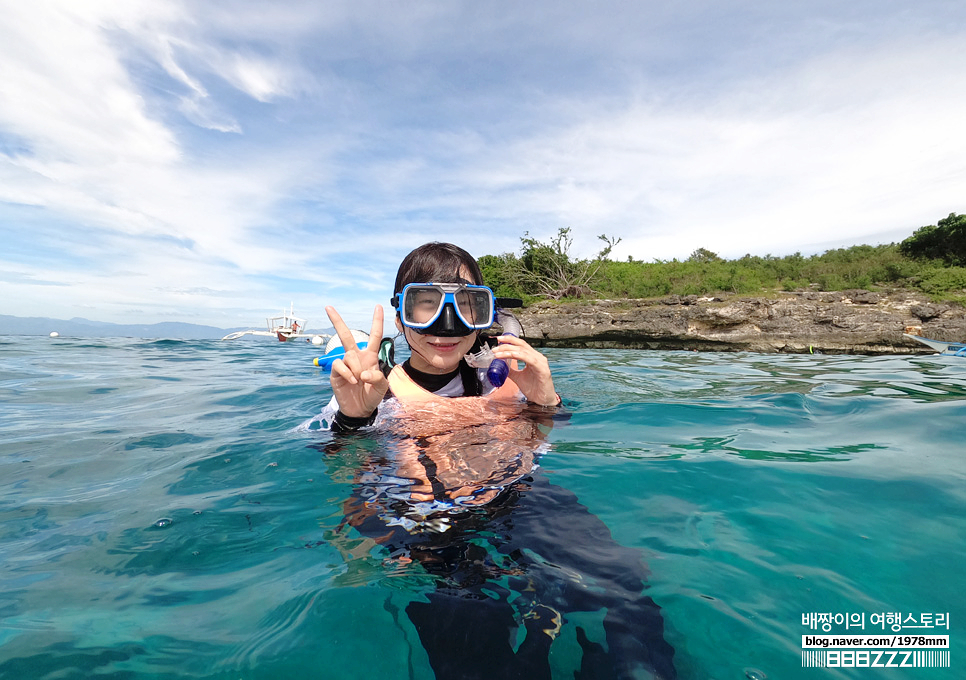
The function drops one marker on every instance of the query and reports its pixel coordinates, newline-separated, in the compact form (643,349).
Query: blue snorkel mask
(446,310)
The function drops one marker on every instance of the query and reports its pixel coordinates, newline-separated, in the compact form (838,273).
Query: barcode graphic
(822,658)
(814,659)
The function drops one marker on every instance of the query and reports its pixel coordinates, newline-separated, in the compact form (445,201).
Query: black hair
(438,263)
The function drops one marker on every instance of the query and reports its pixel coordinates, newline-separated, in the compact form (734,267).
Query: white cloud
(93,150)
(356,132)
(65,92)
(846,147)
(258,77)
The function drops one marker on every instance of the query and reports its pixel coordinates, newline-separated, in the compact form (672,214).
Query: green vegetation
(945,241)
(544,269)
(931,261)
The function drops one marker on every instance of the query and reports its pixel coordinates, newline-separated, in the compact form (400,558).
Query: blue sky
(215,162)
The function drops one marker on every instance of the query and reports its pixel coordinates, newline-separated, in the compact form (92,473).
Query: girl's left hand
(534,379)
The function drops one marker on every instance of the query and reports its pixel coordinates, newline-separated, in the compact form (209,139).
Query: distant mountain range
(85,328)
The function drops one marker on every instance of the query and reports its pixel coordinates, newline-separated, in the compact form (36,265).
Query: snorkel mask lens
(445,309)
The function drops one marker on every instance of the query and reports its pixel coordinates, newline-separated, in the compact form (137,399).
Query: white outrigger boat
(286,326)
(954,348)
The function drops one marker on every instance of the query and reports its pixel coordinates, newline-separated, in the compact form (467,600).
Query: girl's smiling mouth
(443,346)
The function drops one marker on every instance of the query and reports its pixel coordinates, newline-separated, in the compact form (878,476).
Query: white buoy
(335,341)
(55,334)
(317,340)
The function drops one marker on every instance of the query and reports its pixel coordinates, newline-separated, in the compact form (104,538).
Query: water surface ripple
(162,516)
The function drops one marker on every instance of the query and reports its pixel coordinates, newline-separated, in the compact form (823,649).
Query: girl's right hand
(357,381)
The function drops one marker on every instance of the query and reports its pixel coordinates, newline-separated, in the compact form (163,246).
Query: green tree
(703,255)
(946,240)
(547,269)
(502,274)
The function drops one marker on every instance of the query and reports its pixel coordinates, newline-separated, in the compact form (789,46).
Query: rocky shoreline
(845,322)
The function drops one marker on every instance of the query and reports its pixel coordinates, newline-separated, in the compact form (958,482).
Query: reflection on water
(453,490)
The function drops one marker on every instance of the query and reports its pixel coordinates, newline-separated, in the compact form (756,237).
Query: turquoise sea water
(162,516)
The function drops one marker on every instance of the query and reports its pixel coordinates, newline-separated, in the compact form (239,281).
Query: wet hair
(437,263)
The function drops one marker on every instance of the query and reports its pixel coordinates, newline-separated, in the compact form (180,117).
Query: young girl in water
(441,307)
(462,495)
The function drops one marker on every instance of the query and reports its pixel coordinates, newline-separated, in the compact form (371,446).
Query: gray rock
(927,312)
(847,322)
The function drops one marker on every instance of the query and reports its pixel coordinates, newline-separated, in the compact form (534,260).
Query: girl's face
(436,355)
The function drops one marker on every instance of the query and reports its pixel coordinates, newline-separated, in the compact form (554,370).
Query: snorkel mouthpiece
(497,370)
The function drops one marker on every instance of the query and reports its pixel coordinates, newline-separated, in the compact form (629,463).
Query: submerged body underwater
(458,492)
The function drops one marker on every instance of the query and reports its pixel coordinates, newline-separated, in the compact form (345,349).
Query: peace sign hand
(357,381)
